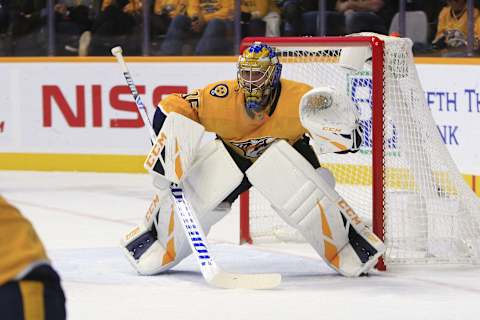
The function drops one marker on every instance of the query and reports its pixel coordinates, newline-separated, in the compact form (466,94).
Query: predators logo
(254,148)
(220,91)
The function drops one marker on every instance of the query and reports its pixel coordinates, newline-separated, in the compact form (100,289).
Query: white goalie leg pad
(159,243)
(150,247)
(211,178)
(307,202)
(176,147)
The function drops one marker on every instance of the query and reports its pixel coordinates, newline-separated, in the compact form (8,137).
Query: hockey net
(403,179)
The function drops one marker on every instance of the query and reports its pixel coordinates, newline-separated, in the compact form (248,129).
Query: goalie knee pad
(306,201)
(159,243)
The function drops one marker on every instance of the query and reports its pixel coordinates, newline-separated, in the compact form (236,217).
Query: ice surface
(81,216)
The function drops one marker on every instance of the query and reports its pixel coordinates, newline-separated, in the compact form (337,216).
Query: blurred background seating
(205,29)
(260,18)
(27,27)
(416,26)
(214,27)
(117,23)
(163,12)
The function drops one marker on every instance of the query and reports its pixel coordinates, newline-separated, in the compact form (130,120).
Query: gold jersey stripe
(32,297)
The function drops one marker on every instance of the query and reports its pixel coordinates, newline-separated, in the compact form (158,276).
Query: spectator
(260,18)
(28,16)
(5,46)
(292,11)
(272,20)
(113,26)
(209,20)
(431,8)
(4,16)
(27,23)
(163,13)
(334,21)
(117,17)
(72,18)
(362,15)
(342,17)
(303,18)
(452,26)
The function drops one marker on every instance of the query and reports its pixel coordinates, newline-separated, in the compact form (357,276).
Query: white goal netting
(429,213)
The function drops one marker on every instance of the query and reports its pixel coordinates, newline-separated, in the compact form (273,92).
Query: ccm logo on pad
(329,129)
(349,211)
(155,152)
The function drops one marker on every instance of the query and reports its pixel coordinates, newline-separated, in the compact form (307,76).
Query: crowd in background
(213,27)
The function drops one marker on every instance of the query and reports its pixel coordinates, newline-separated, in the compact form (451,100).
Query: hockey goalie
(270,132)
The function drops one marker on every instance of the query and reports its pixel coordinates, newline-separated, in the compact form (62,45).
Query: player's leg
(159,242)
(38,295)
(29,287)
(305,199)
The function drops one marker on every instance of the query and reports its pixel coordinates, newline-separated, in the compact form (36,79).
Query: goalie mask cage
(403,179)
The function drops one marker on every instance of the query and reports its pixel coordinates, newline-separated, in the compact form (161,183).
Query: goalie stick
(212,273)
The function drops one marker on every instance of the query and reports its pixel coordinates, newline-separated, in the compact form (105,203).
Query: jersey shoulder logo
(219,91)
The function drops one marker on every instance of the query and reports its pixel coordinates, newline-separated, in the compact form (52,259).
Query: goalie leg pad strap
(307,202)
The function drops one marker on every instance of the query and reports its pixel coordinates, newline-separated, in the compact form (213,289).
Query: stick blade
(245,281)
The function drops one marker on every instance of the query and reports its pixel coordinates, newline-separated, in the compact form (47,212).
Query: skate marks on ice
(108,266)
